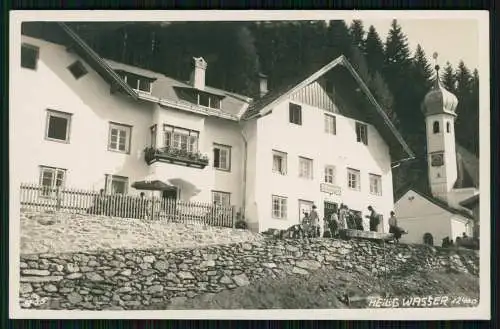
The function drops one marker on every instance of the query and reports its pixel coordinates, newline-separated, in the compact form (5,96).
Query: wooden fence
(35,197)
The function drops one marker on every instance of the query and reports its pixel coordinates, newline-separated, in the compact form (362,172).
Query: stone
(146,273)
(177,301)
(161,265)
(93,263)
(36,272)
(241,280)
(97,292)
(155,289)
(269,265)
(149,259)
(74,298)
(207,263)
(72,268)
(74,276)
(92,276)
(23,265)
(52,278)
(124,290)
(110,273)
(308,264)
(185,275)
(25,288)
(292,248)
(225,280)
(126,272)
(247,246)
(191,294)
(298,270)
(50,288)
(212,273)
(251,259)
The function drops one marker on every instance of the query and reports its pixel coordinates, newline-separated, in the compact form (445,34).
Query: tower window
(447,127)
(435,127)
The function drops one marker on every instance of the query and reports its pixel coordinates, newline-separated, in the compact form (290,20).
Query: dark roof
(467,168)
(428,196)
(470,202)
(347,82)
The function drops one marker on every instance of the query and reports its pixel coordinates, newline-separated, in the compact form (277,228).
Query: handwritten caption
(427,301)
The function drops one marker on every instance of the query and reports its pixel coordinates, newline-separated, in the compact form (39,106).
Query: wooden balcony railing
(175,156)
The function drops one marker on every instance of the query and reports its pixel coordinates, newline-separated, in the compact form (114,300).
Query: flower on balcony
(170,153)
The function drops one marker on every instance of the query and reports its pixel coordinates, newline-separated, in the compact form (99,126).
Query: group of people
(344,218)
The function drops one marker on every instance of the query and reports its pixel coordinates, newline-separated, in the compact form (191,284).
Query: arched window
(435,127)
(428,239)
(447,127)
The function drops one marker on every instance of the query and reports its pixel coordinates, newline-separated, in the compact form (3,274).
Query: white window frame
(310,162)
(50,191)
(282,209)
(330,124)
(299,116)
(116,178)
(124,75)
(283,156)
(375,184)
(330,174)
(119,127)
(212,101)
(175,137)
(221,198)
(58,114)
(357,176)
(360,128)
(223,149)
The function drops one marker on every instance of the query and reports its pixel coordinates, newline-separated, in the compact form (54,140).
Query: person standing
(314,219)
(394,228)
(333,224)
(374,219)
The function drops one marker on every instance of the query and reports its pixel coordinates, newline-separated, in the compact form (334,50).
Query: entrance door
(169,194)
(329,209)
(304,207)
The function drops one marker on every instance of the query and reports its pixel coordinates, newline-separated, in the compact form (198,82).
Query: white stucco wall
(88,99)
(275,132)
(419,216)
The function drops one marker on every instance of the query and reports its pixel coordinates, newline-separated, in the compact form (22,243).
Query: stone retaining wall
(129,279)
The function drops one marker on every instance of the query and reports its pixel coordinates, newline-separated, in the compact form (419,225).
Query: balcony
(175,156)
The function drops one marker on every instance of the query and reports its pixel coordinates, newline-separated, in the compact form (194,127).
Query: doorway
(169,194)
(329,209)
(304,207)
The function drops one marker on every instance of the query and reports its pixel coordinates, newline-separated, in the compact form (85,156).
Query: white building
(93,123)
(435,207)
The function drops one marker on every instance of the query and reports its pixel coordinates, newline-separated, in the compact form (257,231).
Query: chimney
(262,84)
(200,66)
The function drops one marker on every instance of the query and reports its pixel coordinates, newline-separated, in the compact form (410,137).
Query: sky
(453,40)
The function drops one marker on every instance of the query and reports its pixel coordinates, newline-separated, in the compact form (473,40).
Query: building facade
(93,123)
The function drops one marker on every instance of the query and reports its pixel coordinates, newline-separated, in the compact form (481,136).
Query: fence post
(58,198)
(232,217)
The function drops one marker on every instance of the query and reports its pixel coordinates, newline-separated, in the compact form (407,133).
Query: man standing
(374,219)
(394,228)
(314,219)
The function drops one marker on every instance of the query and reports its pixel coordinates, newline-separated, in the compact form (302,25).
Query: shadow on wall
(95,93)
(188,189)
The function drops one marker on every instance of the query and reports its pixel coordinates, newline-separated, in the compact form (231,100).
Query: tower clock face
(437,159)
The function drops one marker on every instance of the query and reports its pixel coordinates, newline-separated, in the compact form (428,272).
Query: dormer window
(209,101)
(137,82)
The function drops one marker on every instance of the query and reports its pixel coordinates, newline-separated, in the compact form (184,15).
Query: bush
(241,225)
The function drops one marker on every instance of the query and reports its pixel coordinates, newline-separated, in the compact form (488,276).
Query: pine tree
(465,131)
(448,78)
(374,51)
(338,39)
(357,32)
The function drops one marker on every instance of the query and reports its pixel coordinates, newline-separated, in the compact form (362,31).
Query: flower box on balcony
(175,156)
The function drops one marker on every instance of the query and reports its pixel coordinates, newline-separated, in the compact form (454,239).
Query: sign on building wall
(330,189)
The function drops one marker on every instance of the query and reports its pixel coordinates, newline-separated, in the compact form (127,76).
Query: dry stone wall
(131,279)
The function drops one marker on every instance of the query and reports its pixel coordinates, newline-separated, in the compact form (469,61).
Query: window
(77,69)
(295,113)
(221,198)
(305,168)
(279,162)
(51,179)
(222,157)
(353,181)
(209,101)
(58,124)
(435,127)
(119,185)
(119,137)
(362,133)
(29,56)
(279,207)
(330,174)
(181,138)
(330,124)
(136,82)
(375,184)
(447,127)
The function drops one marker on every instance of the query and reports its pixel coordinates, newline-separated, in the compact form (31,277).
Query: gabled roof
(399,148)
(443,205)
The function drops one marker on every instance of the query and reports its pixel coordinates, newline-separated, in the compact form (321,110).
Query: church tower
(439,107)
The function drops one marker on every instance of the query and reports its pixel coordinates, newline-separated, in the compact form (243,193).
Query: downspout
(245,159)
